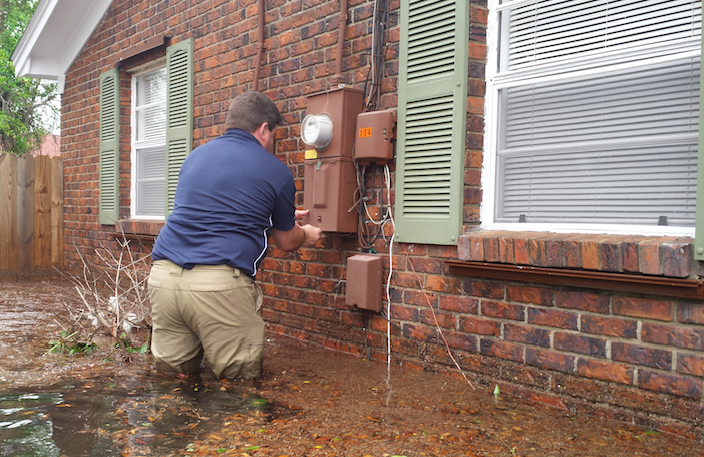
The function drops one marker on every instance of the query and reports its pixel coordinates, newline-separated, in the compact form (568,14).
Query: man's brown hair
(249,110)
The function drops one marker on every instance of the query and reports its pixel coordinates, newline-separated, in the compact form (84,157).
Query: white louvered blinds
(149,138)
(597,112)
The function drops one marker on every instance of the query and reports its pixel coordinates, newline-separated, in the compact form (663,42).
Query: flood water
(309,402)
(111,416)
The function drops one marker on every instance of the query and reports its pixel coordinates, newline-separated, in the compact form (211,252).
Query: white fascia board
(21,56)
(55,35)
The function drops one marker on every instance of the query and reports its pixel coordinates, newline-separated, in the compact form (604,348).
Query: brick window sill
(143,231)
(670,257)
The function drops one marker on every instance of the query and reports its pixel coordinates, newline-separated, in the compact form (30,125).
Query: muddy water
(309,402)
(111,416)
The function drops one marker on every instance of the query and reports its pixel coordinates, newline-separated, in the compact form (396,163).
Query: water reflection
(118,416)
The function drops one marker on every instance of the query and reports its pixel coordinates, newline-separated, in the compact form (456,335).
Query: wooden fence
(31,213)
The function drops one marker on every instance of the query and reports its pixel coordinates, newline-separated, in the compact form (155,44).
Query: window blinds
(615,144)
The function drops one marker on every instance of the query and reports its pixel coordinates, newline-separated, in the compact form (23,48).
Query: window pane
(151,106)
(545,32)
(150,182)
(641,103)
(597,112)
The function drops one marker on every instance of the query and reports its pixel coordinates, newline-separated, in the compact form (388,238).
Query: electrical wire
(380,30)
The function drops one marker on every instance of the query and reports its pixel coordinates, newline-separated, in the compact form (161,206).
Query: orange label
(365,132)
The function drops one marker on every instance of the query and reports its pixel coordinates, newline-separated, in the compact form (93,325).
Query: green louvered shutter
(432,100)
(109,149)
(179,113)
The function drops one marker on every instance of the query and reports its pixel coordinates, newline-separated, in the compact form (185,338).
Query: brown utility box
(364,285)
(328,193)
(342,105)
(375,135)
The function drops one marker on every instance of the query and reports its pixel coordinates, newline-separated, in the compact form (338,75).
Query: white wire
(387,178)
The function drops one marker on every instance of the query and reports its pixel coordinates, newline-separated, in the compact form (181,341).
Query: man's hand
(313,234)
(300,235)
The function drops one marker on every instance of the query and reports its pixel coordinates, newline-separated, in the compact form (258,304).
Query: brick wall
(626,356)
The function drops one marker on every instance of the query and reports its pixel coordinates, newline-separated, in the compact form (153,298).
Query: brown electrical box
(364,285)
(328,194)
(342,105)
(375,136)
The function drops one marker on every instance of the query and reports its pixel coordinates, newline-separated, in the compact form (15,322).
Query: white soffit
(54,37)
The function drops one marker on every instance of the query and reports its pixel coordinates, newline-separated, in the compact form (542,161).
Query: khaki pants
(211,310)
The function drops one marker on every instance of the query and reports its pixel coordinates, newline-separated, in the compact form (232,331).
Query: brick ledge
(656,256)
(651,285)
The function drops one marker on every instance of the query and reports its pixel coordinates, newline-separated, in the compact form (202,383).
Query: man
(232,194)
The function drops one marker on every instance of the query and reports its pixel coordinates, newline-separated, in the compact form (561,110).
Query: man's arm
(299,235)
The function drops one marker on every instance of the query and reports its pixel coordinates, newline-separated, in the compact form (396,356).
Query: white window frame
(139,145)
(489,172)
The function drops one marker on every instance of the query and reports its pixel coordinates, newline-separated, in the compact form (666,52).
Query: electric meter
(316,131)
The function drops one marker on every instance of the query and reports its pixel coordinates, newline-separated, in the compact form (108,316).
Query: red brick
(550,360)
(611,326)
(537,252)
(690,364)
(446,284)
(476,250)
(503,310)
(605,371)
(420,332)
(463,248)
(425,265)
(583,301)
(480,326)
(462,341)
(589,252)
(629,257)
(673,335)
(552,318)
(445,320)
(520,248)
(587,345)
(419,298)
(485,289)
(459,303)
(527,334)
(506,250)
(501,349)
(554,257)
(682,386)
(573,255)
(609,256)
(649,255)
(525,294)
(677,259)
(641,307)
(641,355)
(491,249)
(404,313)
(690,313)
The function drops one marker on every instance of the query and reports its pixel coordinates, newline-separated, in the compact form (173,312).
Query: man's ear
(261,129)
(260,132)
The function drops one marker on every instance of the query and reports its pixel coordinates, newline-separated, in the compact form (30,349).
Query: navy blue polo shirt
(230,193)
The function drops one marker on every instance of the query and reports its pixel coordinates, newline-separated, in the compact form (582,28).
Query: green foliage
(66,344)
(126,343)
(22,100)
